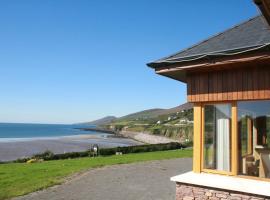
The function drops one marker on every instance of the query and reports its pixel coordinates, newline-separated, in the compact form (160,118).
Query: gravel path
(139,181)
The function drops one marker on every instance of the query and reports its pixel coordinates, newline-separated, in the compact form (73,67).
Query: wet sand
(14,149)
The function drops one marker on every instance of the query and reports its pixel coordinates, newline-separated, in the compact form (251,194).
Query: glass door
(217,137)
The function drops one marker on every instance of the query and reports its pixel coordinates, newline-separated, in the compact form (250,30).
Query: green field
(19,178)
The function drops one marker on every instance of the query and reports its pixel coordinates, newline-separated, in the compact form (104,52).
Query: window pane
(254,138)
(217,123)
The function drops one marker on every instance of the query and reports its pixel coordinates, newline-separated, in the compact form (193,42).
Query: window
(217,136)
(254,138)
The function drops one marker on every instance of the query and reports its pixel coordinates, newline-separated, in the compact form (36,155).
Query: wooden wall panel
(189,89)
(249,86)
(211,87)
(234,88)
(218,82)
(261,83)
(255,83)
(216,86)
(227,85)
(245,84)
(239,84)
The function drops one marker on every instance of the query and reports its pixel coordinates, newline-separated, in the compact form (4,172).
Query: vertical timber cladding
(228,85)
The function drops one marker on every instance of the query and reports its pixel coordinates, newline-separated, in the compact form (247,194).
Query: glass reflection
(254,138)
(217,136)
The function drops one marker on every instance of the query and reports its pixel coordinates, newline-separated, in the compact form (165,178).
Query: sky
(68,61)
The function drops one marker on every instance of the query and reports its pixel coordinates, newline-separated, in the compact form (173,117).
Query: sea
(20,131)
(26,140)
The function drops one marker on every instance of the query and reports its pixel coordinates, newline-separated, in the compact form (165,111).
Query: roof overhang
(264,6)
(179,71)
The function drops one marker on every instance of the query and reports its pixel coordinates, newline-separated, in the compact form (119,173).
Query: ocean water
(17,131)
(26,140)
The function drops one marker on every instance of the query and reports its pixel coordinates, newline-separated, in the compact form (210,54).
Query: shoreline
(99,130)
(27,139)
(146,137)
(96,133)
(13,150)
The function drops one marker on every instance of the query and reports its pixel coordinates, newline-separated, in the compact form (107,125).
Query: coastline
(13,149)
(82,136)
(146,138)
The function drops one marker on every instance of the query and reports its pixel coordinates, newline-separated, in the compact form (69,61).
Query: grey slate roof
(252,35)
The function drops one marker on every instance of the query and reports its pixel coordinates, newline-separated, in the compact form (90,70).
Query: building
(228,80)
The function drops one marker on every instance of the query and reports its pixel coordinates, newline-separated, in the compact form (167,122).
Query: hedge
(48,155)
(141,148)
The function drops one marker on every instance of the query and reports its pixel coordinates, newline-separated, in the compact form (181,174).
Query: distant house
(183,121)
(228,80)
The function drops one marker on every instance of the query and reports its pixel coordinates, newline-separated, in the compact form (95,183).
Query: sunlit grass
(18,178)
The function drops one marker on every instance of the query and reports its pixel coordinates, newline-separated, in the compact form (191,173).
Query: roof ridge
(211,37)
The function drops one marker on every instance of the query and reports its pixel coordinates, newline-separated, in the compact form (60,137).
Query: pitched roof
(252,35)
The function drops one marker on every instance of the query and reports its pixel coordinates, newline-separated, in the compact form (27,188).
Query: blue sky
(65,61)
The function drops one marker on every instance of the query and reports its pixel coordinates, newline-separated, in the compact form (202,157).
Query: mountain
(153,113)
(145,114)
(104,120)
(175,123)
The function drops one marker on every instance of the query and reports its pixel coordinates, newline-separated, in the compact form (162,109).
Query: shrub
(48,155)
(141,148)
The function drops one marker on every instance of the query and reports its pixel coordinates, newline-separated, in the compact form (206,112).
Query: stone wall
(192,192)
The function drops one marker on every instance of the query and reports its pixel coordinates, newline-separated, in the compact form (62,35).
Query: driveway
(139,181)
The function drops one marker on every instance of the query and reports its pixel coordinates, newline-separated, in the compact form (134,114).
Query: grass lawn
(18,178)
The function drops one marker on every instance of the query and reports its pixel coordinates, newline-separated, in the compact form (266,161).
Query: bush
(141,148)
(71,155)
(47,155)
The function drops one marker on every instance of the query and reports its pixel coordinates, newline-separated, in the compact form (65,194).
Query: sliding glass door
(217,137)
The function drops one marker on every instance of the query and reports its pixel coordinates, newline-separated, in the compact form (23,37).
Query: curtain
(223,138)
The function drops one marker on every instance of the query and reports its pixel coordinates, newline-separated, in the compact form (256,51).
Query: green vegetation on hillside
(173,123)
(18,179)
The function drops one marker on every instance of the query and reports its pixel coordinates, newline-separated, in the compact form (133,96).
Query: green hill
(99,122)
(176,123)
(154,113)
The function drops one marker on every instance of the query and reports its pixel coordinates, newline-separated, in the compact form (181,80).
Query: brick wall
(192,192)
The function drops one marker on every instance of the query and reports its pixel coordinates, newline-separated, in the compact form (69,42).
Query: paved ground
(139,181)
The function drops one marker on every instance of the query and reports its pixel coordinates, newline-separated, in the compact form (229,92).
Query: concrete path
(139,181)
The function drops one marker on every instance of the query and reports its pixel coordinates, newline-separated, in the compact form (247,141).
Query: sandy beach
(147,138)
(14,149)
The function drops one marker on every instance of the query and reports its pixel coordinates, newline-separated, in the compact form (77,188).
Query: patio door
(217,137)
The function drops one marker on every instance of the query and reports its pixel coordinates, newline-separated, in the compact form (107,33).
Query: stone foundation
(193,192)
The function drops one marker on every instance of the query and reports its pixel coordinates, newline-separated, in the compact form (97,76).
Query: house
(228,81)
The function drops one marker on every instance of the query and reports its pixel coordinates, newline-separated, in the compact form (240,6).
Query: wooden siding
(228,85)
